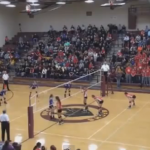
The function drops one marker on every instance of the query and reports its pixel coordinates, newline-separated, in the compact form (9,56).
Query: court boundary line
(112,134)
(100,129)
(25,114)
(65,117)
(83,138)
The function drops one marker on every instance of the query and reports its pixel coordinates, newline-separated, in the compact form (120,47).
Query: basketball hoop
(111,3)
(28,8)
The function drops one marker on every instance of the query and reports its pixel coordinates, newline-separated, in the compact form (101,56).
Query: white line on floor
(82,138)
(123,124)
(106,124)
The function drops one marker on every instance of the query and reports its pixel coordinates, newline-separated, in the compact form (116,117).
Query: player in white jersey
(84,90)
(100,102)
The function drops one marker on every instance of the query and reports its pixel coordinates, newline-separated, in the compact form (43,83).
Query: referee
(4,119)
(105,68)
(5,78)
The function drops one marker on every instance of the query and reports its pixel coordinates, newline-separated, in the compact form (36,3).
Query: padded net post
(103,86)
(30,122)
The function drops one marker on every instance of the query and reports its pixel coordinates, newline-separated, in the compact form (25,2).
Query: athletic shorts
(51,106)
(59,110)
(33,88)
(85,97)
(101,102)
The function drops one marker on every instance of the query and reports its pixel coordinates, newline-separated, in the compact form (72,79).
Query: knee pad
(130,101)
(69,91)
(84,103)
(59,117)
(36,92)
(66,91)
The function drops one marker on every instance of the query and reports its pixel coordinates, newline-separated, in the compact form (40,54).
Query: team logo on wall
(74,113)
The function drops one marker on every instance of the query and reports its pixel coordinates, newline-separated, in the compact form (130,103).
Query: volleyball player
(2,97)
(34,87)
(100,102)
(85,98)
(51,106)
(59,110)
(131,98)
(67,89)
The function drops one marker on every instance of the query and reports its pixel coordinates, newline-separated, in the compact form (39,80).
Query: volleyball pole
(30,120)
(103,85)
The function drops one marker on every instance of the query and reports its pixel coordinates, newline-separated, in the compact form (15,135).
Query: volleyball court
(90,81)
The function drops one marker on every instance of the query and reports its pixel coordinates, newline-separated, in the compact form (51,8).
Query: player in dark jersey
(59,110)
(34,86)
(2,97)
(100,102)
(51,106)
(131,98)
(67,88)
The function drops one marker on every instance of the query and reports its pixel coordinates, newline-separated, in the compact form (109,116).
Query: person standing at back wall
(5,78)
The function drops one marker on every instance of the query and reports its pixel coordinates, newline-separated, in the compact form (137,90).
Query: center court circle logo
(74,112)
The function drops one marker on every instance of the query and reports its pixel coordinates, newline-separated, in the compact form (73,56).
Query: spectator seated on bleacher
(67,54)
(134,59)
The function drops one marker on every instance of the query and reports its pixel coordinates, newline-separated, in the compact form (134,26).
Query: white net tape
(89,81)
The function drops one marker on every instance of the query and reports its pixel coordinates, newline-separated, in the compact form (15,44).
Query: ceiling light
(4,2)
(61,3)
(54,8)
(106,4)
(121,3)
(89,1)
(115,4)
(11,5)
(32,1)
(32,10)
(34,4)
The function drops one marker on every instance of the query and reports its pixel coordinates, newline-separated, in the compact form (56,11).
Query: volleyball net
(92,80)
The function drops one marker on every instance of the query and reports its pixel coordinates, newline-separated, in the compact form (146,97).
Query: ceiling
(52,3)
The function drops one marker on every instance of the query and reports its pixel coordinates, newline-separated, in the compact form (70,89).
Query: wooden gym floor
(122,129)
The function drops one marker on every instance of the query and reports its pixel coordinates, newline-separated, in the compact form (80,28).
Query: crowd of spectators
(7,145)
(132,63)
(66,54)
(39,146)
(14,50)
